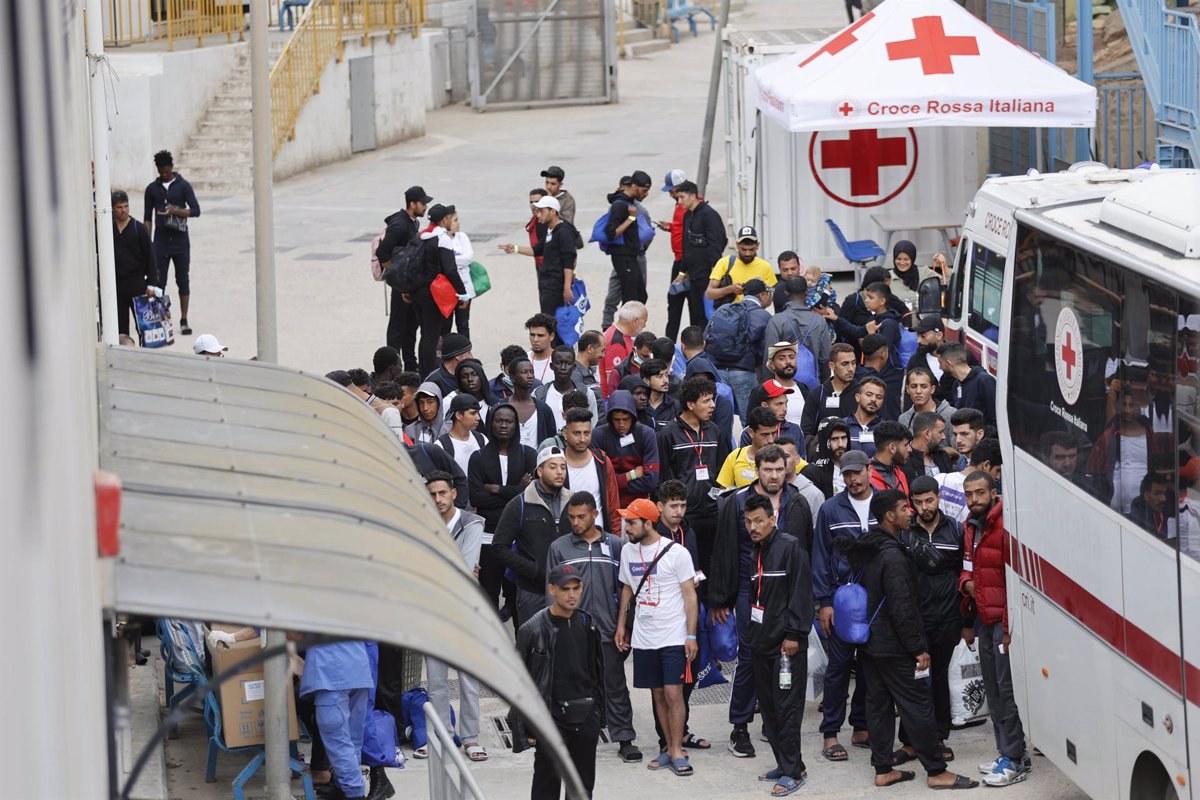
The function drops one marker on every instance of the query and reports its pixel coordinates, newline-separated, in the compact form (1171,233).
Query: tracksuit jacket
(641,452)
(656,418)
(527,521)
(816,406)
(597,565)
(784,592)
(837,519)
(937,560)
(677,446)
(753,351)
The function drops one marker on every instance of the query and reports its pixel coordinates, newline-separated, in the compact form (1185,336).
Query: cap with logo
(746,233)
(641,508)
(773,389)
(416,194)
(562,574)
(207,343)
(930,322)
(854,461)
(548,202)
(673,179)
(547,453)
(554,172)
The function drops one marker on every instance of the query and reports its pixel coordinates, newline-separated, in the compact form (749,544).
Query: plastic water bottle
(785,672)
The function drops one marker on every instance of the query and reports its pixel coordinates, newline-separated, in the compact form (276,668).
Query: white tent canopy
(915,63)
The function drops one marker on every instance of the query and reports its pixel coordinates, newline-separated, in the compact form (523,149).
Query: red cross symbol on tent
(933,47)
(865,160)
(843,40)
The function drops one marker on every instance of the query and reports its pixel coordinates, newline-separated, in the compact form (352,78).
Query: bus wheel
(1150,780)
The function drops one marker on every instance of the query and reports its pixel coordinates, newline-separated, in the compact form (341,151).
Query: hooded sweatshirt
(428,432)
(485,403)
(887,574)
(638,448)
(821,467)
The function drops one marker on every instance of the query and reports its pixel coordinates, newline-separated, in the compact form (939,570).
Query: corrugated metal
(261,495)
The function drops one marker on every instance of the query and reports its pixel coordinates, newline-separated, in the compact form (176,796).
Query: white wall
(160,99)
(403,93)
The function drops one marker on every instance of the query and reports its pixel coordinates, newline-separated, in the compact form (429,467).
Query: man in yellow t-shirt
(739,469)
(745,265)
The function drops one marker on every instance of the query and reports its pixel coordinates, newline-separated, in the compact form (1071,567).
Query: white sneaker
(1006,773)
(987,767)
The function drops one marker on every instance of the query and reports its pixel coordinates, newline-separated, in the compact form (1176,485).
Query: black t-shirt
(571,679)
(558,253)
(618,212)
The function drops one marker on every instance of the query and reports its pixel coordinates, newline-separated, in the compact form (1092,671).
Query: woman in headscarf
(908,276)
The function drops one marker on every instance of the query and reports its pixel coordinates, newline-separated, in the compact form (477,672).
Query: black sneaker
(739,742)
(184,328)
(629,752)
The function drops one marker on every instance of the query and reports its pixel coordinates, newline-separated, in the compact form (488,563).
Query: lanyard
(698,447)
(646,569)
(1160,520)
(758,593)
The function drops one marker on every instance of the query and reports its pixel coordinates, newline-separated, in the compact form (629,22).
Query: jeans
(997,685)
(342,718)
(742,382)
(842,658)
(468,698)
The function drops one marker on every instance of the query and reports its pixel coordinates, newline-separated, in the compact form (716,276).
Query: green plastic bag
(479,278)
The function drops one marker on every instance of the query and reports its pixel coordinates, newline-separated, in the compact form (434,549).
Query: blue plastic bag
(381,741)
(152,316)
(706,670)
(570,318)
(412,703)
(600,236)
(722,639)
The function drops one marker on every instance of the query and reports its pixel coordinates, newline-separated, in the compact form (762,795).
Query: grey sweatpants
(997,685)
(468,699)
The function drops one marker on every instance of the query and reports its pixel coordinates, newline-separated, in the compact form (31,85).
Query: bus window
(987,283)
(1187,410)
(954,294)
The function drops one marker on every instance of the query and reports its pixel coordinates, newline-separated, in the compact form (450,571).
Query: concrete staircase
(638,41)
(218,156)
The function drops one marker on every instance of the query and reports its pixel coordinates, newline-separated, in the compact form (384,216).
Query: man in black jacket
(935,548)
(780,620)
(561,649)
(133,255)
(437,259)
(704,242)
(976,386)
(492,484)
(834,397)
(622,232)
(402,228)
(558,254)
(732,570)
(532,520)
(169,202)
(895,660)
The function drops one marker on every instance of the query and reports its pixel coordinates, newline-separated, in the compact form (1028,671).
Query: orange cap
(641,509)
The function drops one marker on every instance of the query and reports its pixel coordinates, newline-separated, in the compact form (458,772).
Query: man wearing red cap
(777,398)
(659,582)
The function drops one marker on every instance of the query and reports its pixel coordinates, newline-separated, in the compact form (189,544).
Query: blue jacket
(753,352)
(337,667)
(830,568)
(978,390)
(856,434)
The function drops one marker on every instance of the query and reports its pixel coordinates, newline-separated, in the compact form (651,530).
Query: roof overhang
(262,495)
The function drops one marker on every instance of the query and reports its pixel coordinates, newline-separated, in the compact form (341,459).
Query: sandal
(475,751)
(835,752)
(694,742)
(865,744)
(772,776)
(961,782)
(902,756)
(421,752)
(785,786)
(660,761)
(905,776)
(947,754)
(681,767)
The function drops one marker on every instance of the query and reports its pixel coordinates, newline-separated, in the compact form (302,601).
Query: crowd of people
(625,491)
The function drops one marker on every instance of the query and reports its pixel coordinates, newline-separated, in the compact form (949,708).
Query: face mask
(507,381)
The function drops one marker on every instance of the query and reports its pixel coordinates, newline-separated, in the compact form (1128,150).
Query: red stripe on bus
(1122,635)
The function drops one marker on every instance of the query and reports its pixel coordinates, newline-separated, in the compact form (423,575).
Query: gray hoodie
(421,431)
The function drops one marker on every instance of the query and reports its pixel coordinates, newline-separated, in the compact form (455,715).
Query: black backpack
(403,272)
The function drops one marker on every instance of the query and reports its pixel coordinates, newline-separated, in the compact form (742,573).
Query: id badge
(626,440)
(833,402)
(749,474)
(968,566)
(756,614)
(605,550)
(920,674)
(702,473)
(867,437)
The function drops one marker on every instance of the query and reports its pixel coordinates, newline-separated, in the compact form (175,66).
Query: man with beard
(928,433)
(781,361)
(869,395)
(799,324)
(935,548)
(834,397)
(533,519)
(730,585)
(985,549)
(922,388)
(501,470)
(876,362)
(930,336)
(825,465)
(847,514)
(789,267)
(893,442)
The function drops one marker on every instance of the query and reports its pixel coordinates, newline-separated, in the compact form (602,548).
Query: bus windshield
(1103,383)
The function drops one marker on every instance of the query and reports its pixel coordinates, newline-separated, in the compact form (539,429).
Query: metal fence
(1011,151)
(541,52)
(1124,132)
(128,22)
(449,777)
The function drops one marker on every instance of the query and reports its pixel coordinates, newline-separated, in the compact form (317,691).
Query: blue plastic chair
(683,9)
(858,253)
(216,744)
(286,8)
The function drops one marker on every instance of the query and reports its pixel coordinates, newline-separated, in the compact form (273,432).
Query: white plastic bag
(817,663)
(968,702)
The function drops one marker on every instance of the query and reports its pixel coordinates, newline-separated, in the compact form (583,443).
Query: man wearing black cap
(401,229)
(704,243)
(736,346)
(462,440)
(625,242)
(456,349)
(931,334)
(729,274)
(554,187)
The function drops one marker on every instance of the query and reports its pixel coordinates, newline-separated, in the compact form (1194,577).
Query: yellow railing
(129,22)
(318,38)
(650,14)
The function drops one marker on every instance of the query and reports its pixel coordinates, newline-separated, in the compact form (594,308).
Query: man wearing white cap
(534,519)
(207,345)
(558,255)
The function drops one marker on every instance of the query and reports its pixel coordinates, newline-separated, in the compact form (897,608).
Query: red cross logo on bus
(933,47)
(863,168)
(1068,355)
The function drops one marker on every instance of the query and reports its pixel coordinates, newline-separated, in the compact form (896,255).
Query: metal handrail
(318,38)
(449,778)
(130,22)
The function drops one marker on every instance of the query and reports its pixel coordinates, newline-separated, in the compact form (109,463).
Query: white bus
(1081,291)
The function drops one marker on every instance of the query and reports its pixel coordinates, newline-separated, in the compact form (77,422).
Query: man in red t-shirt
(618,339)
(676,299)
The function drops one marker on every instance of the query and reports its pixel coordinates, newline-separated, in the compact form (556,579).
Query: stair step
(645,48)
(205,158)
(227,116)
(230,102)
(637,35)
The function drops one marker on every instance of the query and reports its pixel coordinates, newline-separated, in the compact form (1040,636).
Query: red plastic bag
(444,295)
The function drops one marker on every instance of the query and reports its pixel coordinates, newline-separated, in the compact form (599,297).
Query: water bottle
(785,672)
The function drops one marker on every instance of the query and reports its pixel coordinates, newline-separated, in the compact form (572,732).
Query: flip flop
(961,782)
(901,756)
(905,776)
(787,785)
(694,742)
(681,767)
(865,744)
(947,754)
(475,752)
(660,761)
(772,776)
(421,752)
(835,752)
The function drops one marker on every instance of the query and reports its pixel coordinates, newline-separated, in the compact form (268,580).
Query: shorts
(653,669)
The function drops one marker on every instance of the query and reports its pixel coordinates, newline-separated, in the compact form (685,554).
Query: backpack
(908,346)
(403,272)
(600,236)
(806,361)
(727,334)
(376,267)
(850,612)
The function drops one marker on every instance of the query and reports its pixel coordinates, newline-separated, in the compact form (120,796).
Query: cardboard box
(243,710)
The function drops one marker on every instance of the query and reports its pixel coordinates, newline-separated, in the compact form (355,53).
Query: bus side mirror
(929,297)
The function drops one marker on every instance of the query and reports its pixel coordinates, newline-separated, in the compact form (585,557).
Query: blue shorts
(653,669)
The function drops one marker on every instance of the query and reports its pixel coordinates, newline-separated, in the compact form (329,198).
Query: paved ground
(332,316)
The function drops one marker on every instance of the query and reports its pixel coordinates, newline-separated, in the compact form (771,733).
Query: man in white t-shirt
(591,470)
(462,440)
(952,497)
(781,361)
(658,580)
